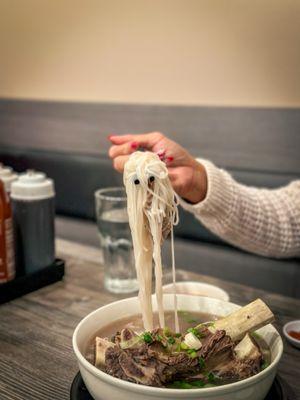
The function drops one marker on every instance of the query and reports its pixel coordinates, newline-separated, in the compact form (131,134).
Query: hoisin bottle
(33,203)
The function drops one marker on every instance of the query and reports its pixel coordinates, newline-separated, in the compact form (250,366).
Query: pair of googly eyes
(137,181)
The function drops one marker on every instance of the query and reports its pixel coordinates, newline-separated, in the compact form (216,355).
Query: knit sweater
(262,221)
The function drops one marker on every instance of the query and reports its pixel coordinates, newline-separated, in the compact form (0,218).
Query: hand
(188,177)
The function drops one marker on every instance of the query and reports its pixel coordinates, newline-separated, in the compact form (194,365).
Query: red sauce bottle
(7,258)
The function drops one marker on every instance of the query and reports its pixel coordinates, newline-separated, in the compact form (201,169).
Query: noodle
(152,212)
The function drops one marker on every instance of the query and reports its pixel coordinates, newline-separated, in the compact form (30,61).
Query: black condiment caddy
(30,282)
(32,207)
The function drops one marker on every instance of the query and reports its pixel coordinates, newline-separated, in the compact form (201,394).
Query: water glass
(115,240)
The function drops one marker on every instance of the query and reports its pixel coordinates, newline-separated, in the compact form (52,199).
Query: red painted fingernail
(170,158)
(134,145)
(161,153)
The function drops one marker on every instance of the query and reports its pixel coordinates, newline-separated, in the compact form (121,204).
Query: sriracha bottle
(7,259)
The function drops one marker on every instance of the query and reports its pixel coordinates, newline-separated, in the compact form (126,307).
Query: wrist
(198,186)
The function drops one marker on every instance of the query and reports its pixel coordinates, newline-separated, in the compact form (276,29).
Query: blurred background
(220,77)
(193,52)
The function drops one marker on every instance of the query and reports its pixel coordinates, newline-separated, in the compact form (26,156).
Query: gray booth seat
(259,147)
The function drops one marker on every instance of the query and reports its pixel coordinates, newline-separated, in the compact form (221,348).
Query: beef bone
(245,320)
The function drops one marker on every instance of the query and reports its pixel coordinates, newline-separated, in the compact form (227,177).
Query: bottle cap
(7,176)
(32,185)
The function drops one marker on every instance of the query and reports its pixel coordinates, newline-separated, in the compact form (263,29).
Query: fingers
(146,140)
(119,163)
(123,149)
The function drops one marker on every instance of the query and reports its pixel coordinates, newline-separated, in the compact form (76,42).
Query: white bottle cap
(7,176)
(32,186)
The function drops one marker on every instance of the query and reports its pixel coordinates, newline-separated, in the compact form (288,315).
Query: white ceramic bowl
(103,386)
(197,289)
(292,326)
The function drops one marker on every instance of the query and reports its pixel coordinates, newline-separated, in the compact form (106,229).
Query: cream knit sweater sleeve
(262,221)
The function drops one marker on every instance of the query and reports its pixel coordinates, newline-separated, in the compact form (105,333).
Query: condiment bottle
(7,176)
(33,211)
(7,259)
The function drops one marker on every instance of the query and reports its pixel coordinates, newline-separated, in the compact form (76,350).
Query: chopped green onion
(171,340)
(147,337)
(181,385)
(195,384)
(192,353)
(184,346)
(195,331)
(198,383)
(189,351)
(264,365)
(201,362)
(211,377)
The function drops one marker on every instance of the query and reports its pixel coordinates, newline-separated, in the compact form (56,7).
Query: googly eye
(151,179)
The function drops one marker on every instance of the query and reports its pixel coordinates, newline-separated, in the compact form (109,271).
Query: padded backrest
(245,139)
(260,147)
(77,177)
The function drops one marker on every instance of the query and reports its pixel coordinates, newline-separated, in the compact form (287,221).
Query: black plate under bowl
(279,390)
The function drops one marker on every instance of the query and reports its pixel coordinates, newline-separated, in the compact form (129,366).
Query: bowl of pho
(172,346)
(225,359)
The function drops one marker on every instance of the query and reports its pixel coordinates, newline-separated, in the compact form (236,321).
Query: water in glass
(115,239)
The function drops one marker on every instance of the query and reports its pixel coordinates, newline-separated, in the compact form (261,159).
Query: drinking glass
(115,240)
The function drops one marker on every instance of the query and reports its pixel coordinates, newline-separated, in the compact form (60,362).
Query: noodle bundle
(152,213)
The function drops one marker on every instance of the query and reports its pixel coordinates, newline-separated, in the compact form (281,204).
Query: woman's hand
(188,177)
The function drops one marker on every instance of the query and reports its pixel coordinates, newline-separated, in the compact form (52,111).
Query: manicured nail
(170,159)
(161,153)
(134,145)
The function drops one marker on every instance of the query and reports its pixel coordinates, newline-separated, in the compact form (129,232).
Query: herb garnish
(183,346)
(193,384)
(264,365)
(211,377)
(147,337)
(195,332)
(201,362)
(192,353)
(171,340)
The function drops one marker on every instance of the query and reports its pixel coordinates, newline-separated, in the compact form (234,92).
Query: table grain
(36,357)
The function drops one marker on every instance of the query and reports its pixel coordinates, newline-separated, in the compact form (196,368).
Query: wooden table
(36,357)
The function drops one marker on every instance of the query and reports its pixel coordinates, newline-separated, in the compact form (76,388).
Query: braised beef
(153,363)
